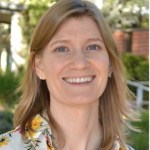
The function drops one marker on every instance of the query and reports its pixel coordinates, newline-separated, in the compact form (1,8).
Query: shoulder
(10,139)
(33,139)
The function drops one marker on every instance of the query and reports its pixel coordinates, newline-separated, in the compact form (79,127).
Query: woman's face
(75,63)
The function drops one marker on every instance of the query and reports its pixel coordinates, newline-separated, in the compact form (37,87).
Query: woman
(74,92)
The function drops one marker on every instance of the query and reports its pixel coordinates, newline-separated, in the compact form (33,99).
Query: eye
(93,47)
(61,49)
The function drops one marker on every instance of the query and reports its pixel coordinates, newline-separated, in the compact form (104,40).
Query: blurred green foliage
(9,81)
(140,141)
(6,123)
(137,67)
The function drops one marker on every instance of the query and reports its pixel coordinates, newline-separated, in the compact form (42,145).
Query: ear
(110,71)
(38,67)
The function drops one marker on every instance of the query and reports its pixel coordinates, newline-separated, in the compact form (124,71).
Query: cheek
(53,68)
(102,62)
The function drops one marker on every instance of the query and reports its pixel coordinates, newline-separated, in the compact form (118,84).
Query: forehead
(82,25)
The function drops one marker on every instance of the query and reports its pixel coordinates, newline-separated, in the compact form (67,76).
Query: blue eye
(61,49)
(93,47)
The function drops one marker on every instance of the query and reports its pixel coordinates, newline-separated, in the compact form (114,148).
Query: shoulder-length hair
(35,98)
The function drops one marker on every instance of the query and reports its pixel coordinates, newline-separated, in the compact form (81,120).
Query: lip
(79,79)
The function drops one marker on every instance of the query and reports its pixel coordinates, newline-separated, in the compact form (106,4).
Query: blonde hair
(35,99)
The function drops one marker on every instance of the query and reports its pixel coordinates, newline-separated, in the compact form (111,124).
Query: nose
(79,61)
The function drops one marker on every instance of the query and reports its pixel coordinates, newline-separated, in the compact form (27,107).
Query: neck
(79,125)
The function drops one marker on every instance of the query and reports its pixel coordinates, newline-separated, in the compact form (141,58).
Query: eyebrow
(94,39)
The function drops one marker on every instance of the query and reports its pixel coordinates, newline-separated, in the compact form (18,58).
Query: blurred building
(135,41)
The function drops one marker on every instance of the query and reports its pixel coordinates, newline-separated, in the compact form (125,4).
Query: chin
(83,101)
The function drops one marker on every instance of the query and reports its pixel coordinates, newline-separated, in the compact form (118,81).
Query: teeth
(78,80)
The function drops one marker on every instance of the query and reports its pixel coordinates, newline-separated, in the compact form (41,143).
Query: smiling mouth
(78,80)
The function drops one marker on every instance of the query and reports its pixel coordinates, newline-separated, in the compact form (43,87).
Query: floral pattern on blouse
(39,138)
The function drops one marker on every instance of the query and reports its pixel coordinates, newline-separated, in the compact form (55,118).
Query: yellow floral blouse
(38,139)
